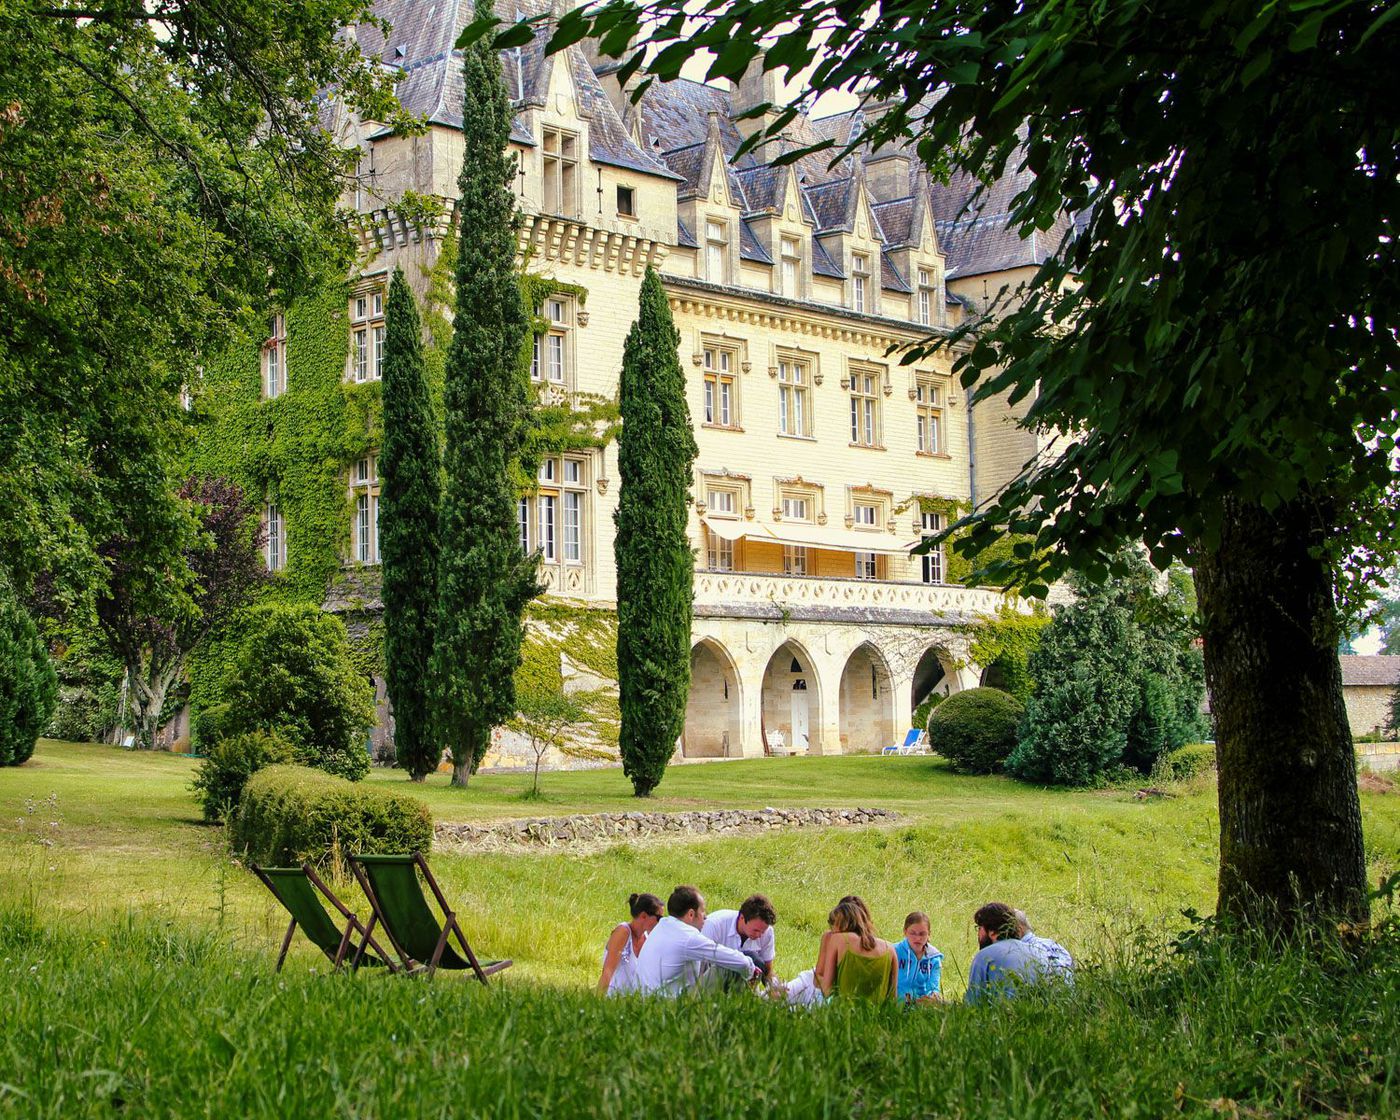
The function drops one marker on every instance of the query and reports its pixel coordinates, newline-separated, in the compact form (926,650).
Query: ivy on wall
(1003,643)
(958,566)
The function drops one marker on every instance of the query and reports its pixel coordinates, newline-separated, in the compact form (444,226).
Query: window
(860,281)
(794,560)
(560,154)
(794,413)
(865,408)
(719,387)
(551,521)
(364,480)
(796,509)
(626,202)
(274,358)
(931,523)
(791,264)
(866,515)
(925,309)
(867,565)
(275,550)
(550,361)
(720,553)
(367,336)
(714,252)
(928,400)
(721,503)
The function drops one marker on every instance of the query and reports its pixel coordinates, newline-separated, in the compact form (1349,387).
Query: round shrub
(293,674)
(290,815)
(1186,762)
(28,684)
(975,729)
(219,781)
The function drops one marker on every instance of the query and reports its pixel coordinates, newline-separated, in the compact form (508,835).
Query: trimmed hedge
(219,781)
(1186,762)
(975,729)
(291,814)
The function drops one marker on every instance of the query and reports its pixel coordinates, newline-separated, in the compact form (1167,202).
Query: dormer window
(560,154)
(715,246)
(860,281)
(791,266)
(925,297)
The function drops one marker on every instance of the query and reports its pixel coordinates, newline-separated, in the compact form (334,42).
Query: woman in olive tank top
(856,964)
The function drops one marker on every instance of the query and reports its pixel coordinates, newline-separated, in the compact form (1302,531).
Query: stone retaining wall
(604,827)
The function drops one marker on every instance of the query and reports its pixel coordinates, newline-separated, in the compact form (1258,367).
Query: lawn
(1087,866)
(136,962)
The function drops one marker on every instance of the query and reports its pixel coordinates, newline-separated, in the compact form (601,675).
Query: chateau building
(822,458)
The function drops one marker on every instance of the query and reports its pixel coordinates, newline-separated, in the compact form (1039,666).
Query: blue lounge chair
(912,742)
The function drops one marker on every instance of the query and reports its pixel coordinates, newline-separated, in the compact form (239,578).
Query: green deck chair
(392,887)
(300,891)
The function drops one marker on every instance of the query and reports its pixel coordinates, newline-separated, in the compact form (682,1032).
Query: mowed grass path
(122,836)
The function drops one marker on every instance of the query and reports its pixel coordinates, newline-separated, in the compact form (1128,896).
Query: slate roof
(420,45)
(1369,671)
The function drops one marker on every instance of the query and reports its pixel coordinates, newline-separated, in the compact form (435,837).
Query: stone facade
(1368,683)
(816,629)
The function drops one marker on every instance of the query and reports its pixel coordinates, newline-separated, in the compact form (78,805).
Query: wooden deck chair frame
(449,925)
(353,925)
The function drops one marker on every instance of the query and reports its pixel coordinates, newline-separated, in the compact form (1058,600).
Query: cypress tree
(484,578)
(409,470)
(655,567)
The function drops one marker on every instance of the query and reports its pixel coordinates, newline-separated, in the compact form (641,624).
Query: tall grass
(144,1020)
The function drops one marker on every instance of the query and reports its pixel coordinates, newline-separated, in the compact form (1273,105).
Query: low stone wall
(604,827)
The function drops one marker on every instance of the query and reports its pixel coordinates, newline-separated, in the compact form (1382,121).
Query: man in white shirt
(676,951)
(748,929)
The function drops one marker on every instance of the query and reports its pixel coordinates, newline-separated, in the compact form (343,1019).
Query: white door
(799,715)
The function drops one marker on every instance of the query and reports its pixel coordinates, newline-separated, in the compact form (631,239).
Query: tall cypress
(655,567)
(409,470)
(484,579)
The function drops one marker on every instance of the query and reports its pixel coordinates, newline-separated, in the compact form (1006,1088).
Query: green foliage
(409,472)
(547,718)
(655,567)
(293,675)
(28,684)
(976,729)
(291,814)
(174,174)
(1088,669)
(1186,762)
(225,770)
(1003,643)
(209,726)
(485,579)
(89,689)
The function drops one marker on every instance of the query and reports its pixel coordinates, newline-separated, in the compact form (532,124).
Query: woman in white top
(625,942)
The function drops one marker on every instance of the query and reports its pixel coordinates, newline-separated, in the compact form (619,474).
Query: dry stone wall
(605,827)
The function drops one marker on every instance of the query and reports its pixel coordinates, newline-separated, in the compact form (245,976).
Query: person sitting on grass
(625,942)
(1003,961)
(920,964)
(748,929)
(675,951)
(1054,955)
(859,964)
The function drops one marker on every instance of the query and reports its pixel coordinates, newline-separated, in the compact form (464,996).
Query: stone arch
(791,700)
(866,701)
(934,672)
(714,709)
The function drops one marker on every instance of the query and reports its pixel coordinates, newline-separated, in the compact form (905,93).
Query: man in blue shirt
(1056,957)
(1004,961)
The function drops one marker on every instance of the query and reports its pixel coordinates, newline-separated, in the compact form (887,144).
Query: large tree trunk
(461,771)
(147,688)
(1290,820)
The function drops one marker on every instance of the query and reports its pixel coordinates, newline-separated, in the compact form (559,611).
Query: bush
(293,674)
(1186,762)
(210,726)
(975,729)
(219,781)
(28,684)
(291,814)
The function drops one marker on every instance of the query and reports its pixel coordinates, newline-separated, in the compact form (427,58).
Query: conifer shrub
(1186,762)
(28,684)
(219,781)
(975,729)
(209,726)
(294,675)
(292,814)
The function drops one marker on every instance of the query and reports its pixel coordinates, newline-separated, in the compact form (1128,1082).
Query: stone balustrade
(782,594)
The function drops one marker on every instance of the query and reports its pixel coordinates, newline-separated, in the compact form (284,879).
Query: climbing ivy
(1005,641)
(959,565)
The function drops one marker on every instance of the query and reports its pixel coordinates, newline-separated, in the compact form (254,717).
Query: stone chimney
(756,87)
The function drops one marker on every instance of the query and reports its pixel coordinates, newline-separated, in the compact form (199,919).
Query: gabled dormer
(709,205)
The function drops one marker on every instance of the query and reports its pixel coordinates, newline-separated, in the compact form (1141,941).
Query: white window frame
(364,483)
(722,503)
(716,251)
(559,171)
(274,358)
(275,547)
(553,520)
(928,404)
(551,362)
(865,408)
(794,398)
(796,507)
(932,561)
(790,267)
(719,552)
(367,336)
(866,515)
(721,396)
(796,560)
(860,281)
(867,565)
(925,297)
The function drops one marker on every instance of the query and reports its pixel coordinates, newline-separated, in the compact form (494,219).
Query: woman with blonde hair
(851,961)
